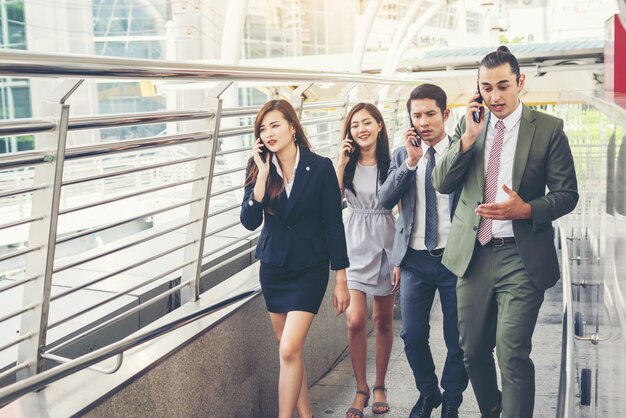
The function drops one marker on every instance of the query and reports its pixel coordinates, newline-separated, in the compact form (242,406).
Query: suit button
(288,227)
(250,203)
(475,228)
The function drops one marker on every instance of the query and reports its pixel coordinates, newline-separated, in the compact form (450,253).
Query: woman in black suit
(297,193)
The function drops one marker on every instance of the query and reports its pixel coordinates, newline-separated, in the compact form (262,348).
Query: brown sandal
(380,407)
(355,411)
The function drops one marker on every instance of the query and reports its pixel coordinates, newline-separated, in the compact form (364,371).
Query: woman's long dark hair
(275,184)
(383,157)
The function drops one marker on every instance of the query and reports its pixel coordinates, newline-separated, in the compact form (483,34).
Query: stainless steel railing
(184,183)
(566,396)
(592,244)
(68,367)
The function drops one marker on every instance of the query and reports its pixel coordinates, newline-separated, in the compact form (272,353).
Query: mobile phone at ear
(351,151)
(476,115)
(417,141)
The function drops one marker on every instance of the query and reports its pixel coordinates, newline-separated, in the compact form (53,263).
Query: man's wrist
(466,142)
(528,213)
(411,165)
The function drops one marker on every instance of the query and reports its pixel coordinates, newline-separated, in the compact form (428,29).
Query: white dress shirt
(288,185)
(505,176)
(443,201)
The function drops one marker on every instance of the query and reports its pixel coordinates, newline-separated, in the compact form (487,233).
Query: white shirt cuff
(409,167)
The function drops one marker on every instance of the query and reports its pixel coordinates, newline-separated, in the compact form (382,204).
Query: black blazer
(306,229)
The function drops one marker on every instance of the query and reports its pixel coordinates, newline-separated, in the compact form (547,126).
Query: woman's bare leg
(356,315)
(291,330)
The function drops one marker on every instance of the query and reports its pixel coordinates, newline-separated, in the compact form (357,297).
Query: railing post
(202,191)
(298,96)
(43,234)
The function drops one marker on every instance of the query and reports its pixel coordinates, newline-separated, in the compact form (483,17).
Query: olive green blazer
(543,159)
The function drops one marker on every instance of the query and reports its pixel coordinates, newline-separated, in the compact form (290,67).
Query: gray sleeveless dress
(369,235)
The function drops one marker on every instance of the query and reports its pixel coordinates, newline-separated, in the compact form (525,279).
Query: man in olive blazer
(502,279)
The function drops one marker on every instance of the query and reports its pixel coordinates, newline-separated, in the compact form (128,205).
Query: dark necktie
(430,236)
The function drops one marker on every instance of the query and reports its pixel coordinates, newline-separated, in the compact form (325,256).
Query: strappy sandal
(355,411)
(380,407)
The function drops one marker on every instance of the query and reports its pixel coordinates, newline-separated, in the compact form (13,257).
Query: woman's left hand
(395,279)
(341,295)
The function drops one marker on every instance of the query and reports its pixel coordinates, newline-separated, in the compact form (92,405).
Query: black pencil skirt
(285,289)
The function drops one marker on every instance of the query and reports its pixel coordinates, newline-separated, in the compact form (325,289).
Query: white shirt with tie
(502,229)
(443,201)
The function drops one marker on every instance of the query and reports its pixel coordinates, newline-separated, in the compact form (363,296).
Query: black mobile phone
(352,143)
(417,141)
(477,115)
(264,152)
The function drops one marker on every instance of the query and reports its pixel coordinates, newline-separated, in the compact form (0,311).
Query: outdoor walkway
(333,394)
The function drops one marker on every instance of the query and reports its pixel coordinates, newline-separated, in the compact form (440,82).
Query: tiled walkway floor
(333,394)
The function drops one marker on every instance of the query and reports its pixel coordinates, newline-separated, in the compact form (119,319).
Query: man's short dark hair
(499,57)
(428,91)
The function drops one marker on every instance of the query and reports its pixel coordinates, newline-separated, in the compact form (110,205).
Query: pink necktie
(491,182)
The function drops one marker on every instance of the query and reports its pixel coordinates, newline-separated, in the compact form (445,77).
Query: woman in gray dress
(361,169)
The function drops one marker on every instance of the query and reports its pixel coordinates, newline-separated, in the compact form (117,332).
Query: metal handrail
(20,222)
(14,391)
(125,314)
(14,63)
(30,158)
(321,105)
(229,171)
(25,158)
(23,190)
(242,130)
(321,119)
(11,127)
(568,371)
(25,126)
(18,253)
(17,312)
(227,190)
(14,369)
(224,246)
(124,221)
(315,135)
(114,273)
(123,247)
(133,170)
(223,228)
(134,194)
(144,118)
(18,283)
(16,341)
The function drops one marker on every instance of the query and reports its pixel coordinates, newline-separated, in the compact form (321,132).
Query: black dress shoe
(449,411)
(425,405)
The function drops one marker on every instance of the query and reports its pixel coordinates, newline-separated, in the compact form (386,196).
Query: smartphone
(417,141)
(349,153)
(477,115)
(263,151)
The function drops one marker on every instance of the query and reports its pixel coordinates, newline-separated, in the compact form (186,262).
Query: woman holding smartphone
(297,194)
(362,167)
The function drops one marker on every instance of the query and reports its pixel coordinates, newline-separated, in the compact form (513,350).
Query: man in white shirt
(501,243)
(421,233)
